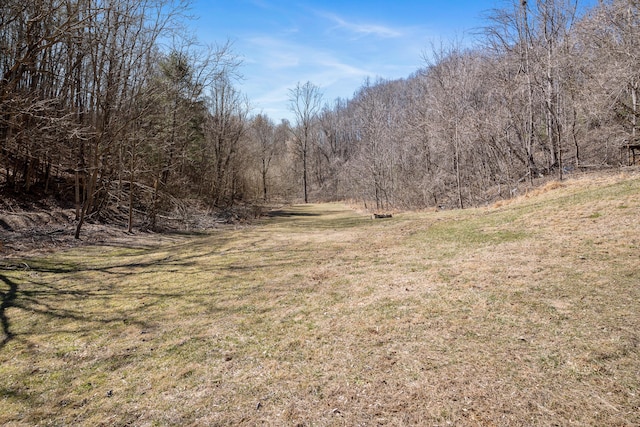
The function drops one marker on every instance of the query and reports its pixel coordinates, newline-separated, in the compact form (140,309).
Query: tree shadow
(289,213)
(43,290)
(49,299)
(315,216)
(8,300)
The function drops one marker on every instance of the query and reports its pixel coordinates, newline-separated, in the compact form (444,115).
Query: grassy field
(525,313)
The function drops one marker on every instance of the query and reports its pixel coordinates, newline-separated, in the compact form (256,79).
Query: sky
(333,44)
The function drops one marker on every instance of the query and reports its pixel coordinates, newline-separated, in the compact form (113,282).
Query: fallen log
(380,216)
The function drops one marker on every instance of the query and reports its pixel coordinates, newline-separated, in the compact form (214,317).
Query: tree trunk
(457,167)
(264,179)
(304,174)
(86,207)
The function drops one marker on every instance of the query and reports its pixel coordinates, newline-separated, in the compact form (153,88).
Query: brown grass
(523,314)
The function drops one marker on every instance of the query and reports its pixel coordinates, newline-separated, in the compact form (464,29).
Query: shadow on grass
(47,300)
(58,288)
(80,289)
(8,300)
(290,213)
(318,217)
(52,299)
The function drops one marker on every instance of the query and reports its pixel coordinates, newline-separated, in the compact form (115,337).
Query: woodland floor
(44,225)
(526,312)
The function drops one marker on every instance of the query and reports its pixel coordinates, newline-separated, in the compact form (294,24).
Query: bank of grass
(526,313)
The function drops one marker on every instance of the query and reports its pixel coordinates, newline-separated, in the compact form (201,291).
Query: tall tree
(225,127)
(120,36)
(609,37)
(452,102)
(264,132)
(305,101)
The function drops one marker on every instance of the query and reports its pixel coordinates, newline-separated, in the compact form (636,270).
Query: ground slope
(526,313)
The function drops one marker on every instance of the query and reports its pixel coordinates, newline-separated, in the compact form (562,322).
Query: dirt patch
(35,227)
(24,234)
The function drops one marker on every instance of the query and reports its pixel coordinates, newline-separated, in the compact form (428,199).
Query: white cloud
(278,64)
(336,61)
(281,54)
(364,29)
(274,53)
(343,69)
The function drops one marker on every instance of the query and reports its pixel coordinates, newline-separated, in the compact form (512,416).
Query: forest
(111,108)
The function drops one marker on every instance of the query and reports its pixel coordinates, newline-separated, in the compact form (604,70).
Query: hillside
(130,119)
(522,313)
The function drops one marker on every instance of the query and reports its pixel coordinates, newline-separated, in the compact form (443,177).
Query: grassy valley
(523,313)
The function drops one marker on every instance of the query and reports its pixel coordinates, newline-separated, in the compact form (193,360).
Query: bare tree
(305,101)
(264,131)
(450,99)
(609,37)
(224,129)
(120,35)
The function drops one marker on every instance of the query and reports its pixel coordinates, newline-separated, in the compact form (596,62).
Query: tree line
(548,89)
(108,104)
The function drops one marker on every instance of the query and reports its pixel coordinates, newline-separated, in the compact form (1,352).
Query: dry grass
(522,314)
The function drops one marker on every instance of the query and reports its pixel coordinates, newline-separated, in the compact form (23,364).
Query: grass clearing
(527,313)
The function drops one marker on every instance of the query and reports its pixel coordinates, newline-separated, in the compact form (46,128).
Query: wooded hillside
(108,106)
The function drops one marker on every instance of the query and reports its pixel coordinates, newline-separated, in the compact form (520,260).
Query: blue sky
(333,44)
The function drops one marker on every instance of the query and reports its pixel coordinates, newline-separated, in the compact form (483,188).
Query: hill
(522,313)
